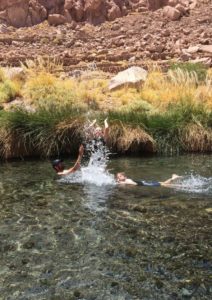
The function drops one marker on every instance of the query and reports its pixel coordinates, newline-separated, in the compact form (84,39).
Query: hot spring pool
(84,240)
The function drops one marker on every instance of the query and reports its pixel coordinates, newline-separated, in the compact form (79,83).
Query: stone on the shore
(56,19)
(132,76)
(171,13)
(206,48)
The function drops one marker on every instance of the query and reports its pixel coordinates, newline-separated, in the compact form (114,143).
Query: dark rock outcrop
(21,13)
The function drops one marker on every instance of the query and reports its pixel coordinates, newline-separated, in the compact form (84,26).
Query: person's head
(121,177)
(57,165)
(98,132)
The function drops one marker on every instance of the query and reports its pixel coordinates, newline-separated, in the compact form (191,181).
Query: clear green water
(81,241)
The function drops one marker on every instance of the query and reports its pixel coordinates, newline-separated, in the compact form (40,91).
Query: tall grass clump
(171,129)
(198,69)
(42,64)
(162,90)
(47,89)
(9,89)
(45,132)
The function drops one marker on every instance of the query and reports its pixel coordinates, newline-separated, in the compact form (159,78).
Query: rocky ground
(140,36)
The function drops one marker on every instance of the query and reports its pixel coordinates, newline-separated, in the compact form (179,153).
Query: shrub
(9,90)
(2,75)
(44,132)
(189,67)
(46,89)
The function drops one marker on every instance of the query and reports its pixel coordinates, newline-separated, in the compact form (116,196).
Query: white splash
(194,184)
(96,170)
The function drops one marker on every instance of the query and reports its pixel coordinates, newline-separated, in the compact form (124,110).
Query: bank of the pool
(55,131)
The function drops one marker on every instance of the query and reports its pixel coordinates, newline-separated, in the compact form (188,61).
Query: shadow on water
(81,240)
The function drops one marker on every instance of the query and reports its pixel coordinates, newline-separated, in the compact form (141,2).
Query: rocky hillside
(20,13)
(128,31)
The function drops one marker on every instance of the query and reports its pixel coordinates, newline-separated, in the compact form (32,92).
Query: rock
(3,28)
(206,48)
(193,49)
(186,293)
(172,3)
(113,13)
(131,76)
(155,4)
(181,9)
(171,13)
(3,16)
(17,13)
(207,61)
(56,19)
(15,72)
(193,4)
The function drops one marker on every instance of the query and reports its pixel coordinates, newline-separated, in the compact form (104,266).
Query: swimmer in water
(97,133)
(121,178)
(59,167)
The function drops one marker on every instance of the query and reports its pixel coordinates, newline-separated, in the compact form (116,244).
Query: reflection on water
(87,241)
(96,196)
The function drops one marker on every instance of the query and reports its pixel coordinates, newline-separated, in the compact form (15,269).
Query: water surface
(86,241)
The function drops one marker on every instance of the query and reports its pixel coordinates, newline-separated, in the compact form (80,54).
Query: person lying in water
(58,166)
(121,178)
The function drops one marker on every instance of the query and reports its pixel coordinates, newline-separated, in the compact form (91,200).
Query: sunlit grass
(162,90)
(170,113)
(45,90)
(9,90)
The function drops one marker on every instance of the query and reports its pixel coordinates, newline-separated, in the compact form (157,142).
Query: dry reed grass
(127,139)
(161,90)
(196,138)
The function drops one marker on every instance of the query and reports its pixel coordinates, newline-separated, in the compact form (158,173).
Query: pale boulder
(206,48)
(131,76)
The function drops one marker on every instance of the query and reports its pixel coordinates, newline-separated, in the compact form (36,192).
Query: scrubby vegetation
(170,113)
(9,89)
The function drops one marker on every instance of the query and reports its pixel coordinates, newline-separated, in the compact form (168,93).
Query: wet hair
(120,173)
(56,163)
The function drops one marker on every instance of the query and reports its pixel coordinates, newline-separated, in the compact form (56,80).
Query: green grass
(198,68)
(55,130)
(172,112)
(45,132)
(167,128)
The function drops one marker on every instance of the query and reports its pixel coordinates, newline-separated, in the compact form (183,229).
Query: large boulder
(131,77)
(19,13)
(171,13)
(56,19)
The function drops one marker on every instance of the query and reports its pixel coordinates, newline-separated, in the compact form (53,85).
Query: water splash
(95,170)
(194,184)
(97,181)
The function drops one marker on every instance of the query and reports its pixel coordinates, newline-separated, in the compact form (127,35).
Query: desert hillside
(58,68)
(109,33)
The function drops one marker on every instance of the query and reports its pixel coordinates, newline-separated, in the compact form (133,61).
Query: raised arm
(77,163)
(106,130)
(92,123)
